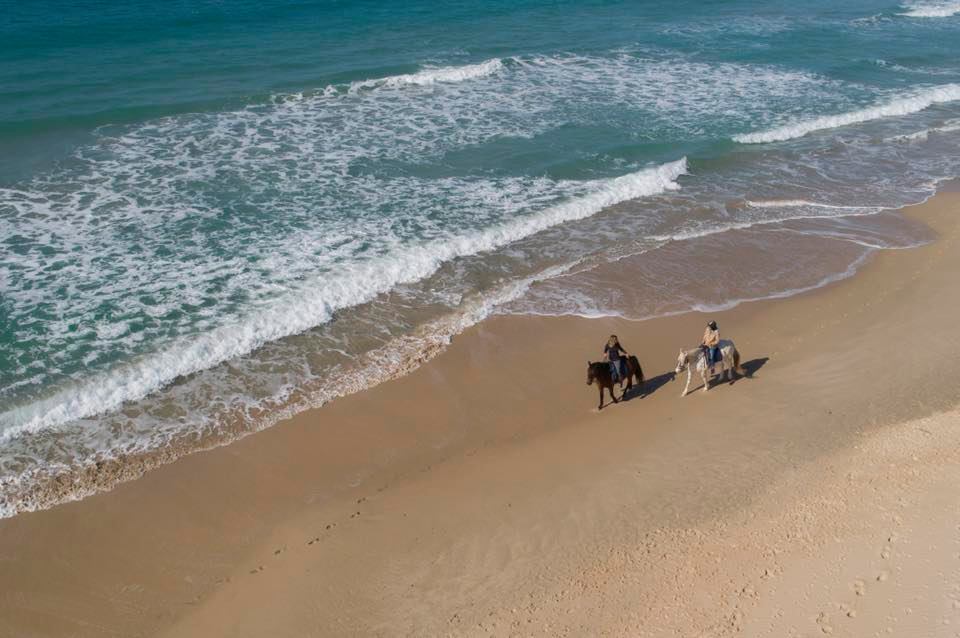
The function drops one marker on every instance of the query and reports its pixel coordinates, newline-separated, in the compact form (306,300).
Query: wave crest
(430,76)
(932,9)
(903,105)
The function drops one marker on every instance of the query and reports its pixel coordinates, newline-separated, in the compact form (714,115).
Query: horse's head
(683,360)
(590,373)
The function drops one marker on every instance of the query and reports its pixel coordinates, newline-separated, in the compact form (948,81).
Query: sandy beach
(484,494)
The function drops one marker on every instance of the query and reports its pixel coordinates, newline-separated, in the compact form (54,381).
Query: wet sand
(484,494)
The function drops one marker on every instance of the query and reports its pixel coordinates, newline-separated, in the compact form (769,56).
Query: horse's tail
(736,363)
(637,369)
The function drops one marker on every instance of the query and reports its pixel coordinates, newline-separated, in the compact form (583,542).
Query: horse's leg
(706,379)
(612,395)
(600,386)
(687,387)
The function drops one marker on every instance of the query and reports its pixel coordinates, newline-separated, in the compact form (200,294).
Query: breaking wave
(430,76)
(943,9)
(903,105)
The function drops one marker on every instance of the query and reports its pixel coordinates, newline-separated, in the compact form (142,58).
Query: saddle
(708,351)
(618,369)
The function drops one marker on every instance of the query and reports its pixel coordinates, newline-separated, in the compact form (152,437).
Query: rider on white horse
(703,357)
(710,343)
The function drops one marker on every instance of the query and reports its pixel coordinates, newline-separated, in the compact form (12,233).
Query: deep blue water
(205,207)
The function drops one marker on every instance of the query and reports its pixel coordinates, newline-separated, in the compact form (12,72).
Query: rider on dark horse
(617,356)
(711,344)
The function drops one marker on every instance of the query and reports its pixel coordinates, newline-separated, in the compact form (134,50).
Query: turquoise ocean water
(214,214)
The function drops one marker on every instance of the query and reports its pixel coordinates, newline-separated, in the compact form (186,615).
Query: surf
(906,104)
(430,76)
(932,9)
(314,302)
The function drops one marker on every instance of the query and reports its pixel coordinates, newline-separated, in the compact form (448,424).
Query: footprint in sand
(846,610)
(859,587)
(824,621)
(257,570)
(279,550)
(315,539)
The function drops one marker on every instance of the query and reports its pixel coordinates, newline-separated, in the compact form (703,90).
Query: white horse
(696,358)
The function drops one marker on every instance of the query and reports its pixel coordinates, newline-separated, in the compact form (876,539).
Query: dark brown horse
(599,371)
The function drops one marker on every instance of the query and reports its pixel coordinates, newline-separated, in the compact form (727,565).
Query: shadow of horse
(647,388)
(753,365)
(750,367)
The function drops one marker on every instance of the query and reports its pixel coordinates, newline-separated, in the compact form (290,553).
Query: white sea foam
(847,237)
(903,69)
(902,105)
(430,76)
(935,9)
(313,303)
(797,203)
(924,135)
(717,228)
(685,92)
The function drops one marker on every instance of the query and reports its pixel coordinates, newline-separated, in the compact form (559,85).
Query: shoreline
(496,473)
(408,353)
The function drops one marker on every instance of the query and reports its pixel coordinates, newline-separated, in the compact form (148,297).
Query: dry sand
(485,495)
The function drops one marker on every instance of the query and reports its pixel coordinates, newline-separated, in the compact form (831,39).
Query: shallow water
(214,214)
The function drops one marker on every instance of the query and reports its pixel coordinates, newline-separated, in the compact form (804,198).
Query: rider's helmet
(712,325)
